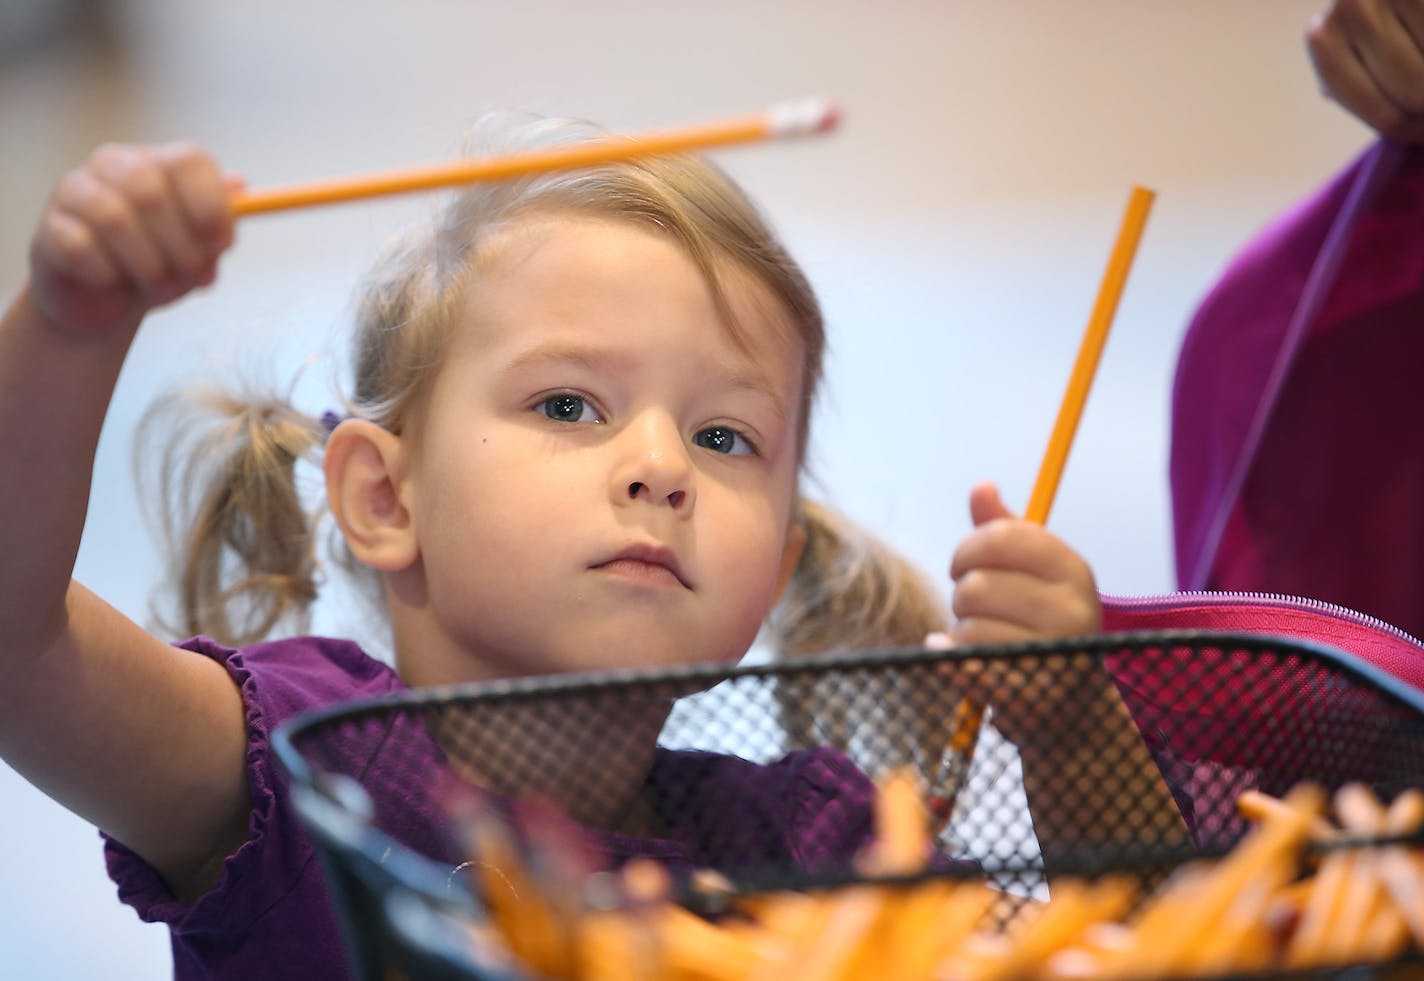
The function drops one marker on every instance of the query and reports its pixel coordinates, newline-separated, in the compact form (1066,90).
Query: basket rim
(327,813)
(290,731)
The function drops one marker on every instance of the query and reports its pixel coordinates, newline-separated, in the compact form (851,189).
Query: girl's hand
(1369,57)
(130,229)
(1015,581)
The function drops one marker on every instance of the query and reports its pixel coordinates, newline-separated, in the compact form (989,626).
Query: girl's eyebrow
(577,355)
(755,382)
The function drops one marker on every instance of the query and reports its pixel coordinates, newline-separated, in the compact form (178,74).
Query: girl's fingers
(985,504)
(1019,546)
(1025,603)
(975,631)
(115,226)
(157,218)
(139,177)
(130,229)
(70,247)
(1001,540)
(204,195)
(1014,580)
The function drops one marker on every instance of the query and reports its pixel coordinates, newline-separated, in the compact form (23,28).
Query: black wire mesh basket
(1118,754)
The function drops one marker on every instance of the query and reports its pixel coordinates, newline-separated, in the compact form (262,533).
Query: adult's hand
(1369,57)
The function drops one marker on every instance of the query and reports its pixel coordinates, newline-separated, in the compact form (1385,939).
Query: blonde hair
(245,563)
(237,532)
(851,592)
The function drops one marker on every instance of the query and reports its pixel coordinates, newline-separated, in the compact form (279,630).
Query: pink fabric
(1375,645)
(1297,460)
(1222,716)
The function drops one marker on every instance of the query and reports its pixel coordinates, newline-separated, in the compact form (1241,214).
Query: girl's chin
(669,657)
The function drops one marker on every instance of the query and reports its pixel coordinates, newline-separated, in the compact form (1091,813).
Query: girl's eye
(721,439)
(568,408)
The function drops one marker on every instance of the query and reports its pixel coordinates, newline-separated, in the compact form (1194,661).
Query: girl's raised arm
(143,739)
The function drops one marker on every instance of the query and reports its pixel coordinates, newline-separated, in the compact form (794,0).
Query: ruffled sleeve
(269,906)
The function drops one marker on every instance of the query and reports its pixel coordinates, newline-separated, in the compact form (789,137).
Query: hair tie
(330,420)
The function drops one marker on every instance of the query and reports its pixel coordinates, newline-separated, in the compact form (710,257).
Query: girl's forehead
(569,261)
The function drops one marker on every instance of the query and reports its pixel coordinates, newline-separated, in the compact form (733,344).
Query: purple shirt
(270,916)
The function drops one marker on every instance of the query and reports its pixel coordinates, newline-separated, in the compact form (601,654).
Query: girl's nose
(654,466)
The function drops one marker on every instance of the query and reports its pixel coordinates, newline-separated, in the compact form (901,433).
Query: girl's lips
(649,572)
(646,563)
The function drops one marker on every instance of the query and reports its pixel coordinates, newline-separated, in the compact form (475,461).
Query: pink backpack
(1244,708)
(1389,649)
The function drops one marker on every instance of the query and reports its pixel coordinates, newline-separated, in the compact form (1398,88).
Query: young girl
(573,441)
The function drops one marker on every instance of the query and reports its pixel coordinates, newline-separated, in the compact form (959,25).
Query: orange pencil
(786,119)
(1139,203)
(1090,350)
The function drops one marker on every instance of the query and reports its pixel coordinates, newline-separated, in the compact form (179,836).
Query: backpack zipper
(1162,602)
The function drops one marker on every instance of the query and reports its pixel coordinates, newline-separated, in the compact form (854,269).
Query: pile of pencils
(1310,885)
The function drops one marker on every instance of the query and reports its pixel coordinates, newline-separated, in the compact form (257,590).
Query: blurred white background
(956,227)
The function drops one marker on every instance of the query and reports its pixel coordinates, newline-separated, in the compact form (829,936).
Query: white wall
(956,227)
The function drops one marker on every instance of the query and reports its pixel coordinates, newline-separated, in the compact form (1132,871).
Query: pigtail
(851,592)
(239,536)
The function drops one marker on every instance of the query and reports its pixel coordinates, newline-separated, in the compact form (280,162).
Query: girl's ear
(364,465)
(791,555)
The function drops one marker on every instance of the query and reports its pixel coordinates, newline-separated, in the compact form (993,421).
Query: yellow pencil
(1139,203)
(786,119)
(1090,351)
